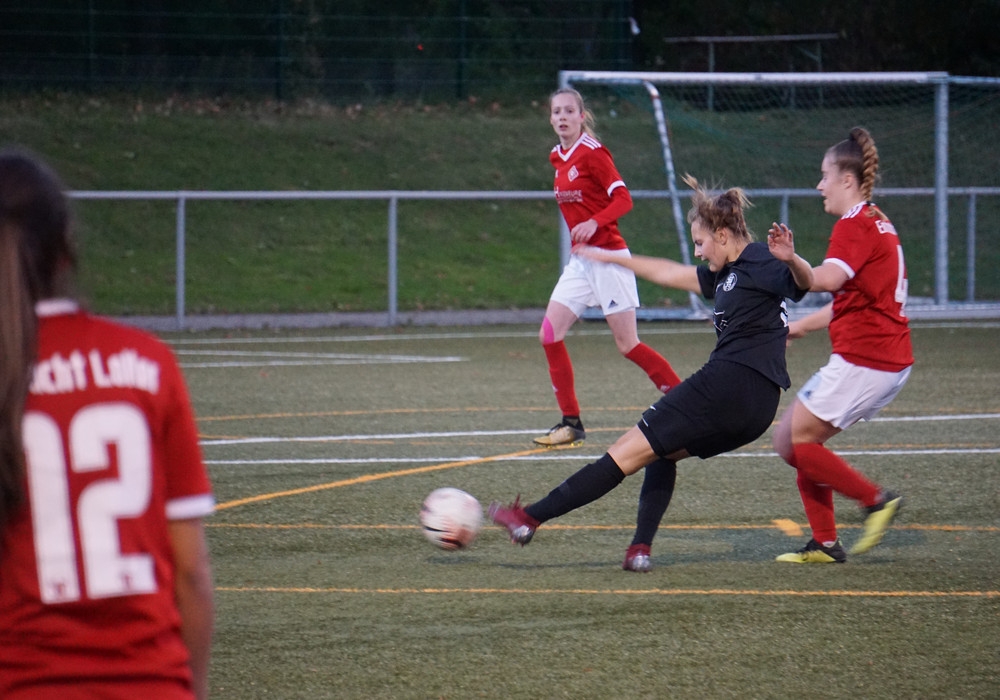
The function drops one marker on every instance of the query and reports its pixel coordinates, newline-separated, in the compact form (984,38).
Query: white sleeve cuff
(197,506)
(842,265)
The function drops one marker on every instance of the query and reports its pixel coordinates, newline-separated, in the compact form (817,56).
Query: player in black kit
(726,404)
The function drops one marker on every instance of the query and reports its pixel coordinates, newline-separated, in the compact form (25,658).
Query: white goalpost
(789,117)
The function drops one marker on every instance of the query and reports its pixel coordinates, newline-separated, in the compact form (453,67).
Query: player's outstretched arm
(815,321)
(826,277)
(781,243)
(662,271)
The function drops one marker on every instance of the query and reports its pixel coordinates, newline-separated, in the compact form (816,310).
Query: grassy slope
(317,256)
(297,256)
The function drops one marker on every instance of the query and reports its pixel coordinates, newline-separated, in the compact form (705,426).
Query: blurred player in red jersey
(105,581)
(871,359)
(592,197)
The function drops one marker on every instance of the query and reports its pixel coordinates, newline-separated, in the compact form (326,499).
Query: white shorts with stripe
(586,283)
(842,393)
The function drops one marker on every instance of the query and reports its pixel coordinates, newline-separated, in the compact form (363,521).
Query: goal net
(767,133)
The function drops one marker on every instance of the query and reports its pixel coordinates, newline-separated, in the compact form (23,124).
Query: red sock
(818,502)
(654,365)
(824,467)
(561,372)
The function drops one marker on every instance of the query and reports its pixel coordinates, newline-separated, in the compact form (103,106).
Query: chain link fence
(334,50)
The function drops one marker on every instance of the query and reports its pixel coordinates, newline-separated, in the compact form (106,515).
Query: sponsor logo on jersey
(568,196)
(885,227)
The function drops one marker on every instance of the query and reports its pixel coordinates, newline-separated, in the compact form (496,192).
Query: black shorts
(722,406)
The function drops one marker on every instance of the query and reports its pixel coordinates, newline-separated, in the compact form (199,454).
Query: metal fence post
(181,224)
(941,193)
(393,250)
(970,250)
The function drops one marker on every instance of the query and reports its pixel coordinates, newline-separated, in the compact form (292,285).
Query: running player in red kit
(105,581)
(871,359)
(592,197)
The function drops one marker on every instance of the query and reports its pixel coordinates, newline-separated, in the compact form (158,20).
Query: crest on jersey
(730,282)
(573,173)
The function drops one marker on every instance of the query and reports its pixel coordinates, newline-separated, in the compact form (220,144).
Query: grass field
(322,445)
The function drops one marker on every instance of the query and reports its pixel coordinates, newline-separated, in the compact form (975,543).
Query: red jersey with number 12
(869,326)
(588,186)
(86,572)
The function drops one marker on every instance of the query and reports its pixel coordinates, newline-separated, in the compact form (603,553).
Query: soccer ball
(451,518)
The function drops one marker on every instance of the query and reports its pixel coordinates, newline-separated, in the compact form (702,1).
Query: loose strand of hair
(17,345)
(722,211)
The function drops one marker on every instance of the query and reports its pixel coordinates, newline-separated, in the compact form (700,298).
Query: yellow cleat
(815,553)
(880,516)
(561,434)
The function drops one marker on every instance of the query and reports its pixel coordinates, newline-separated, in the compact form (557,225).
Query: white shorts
(842,393)
(586,283)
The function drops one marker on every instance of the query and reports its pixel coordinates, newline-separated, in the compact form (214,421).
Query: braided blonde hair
(858,156)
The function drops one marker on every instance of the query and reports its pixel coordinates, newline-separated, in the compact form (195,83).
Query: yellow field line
(614,591)
(558,526)
(367,478)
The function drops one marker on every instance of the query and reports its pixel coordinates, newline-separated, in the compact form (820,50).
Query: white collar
(55,307)
(853,211)
(565,153)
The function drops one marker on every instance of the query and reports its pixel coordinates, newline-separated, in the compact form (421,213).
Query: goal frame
(939,81)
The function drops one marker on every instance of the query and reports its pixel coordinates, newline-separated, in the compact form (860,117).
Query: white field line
(561,455)
(462,335)
(699,328)
(291,359)
(573,456)
(362,438)
(488,433)
(298,359)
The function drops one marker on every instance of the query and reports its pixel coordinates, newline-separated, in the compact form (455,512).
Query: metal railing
(393,197)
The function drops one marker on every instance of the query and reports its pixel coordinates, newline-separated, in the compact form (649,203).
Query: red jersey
(588,186)
(86,570)
(869,326)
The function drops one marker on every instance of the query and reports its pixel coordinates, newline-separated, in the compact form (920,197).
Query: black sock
(588,484)
(573,422)
(657,490)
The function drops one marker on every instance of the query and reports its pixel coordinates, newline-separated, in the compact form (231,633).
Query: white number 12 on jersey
(92,431)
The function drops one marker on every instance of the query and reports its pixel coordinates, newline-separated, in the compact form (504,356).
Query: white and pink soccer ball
(451,518)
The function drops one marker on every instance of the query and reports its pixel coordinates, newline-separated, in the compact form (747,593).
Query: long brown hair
(36,258)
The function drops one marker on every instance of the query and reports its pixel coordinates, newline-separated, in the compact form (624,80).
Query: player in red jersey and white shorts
(105,581)
(871,359)
(592,197)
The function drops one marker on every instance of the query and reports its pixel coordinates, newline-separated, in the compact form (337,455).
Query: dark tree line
(447,47)
(888,35)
